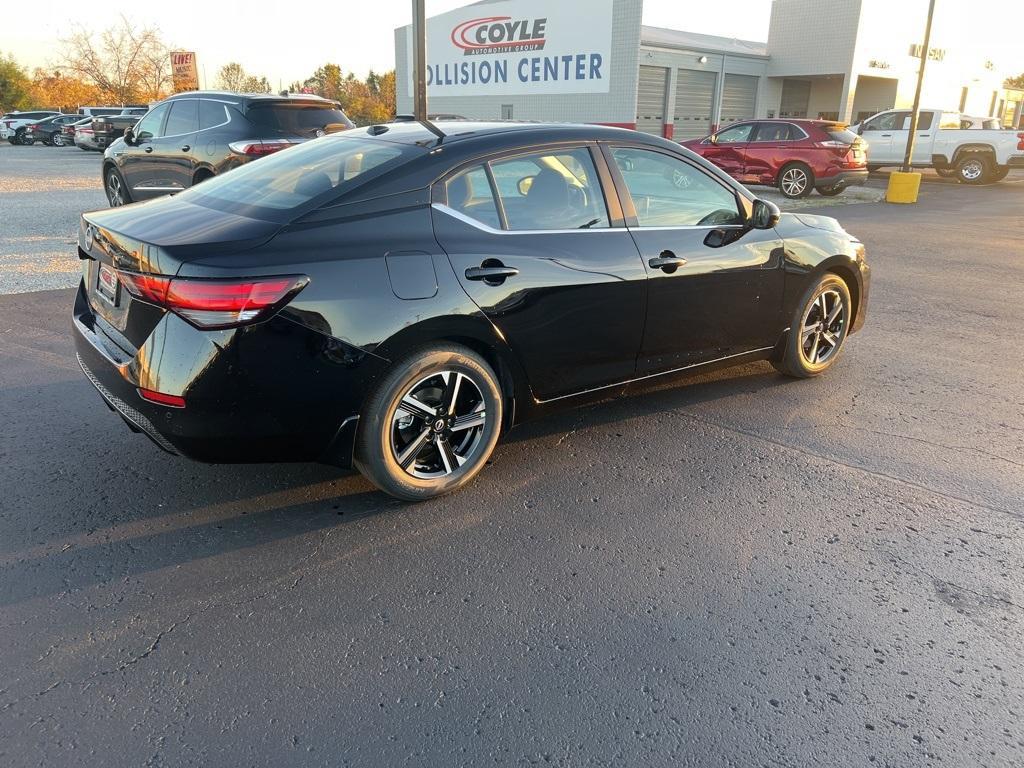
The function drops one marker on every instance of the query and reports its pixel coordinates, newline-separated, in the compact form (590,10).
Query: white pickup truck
(973,155)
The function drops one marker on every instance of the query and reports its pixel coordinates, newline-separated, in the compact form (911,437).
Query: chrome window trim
(757,351)
(442,208)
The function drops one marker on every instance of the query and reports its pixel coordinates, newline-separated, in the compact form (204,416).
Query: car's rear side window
(293,177)
(211,113)
(550,190)
(469,192)
(840,133)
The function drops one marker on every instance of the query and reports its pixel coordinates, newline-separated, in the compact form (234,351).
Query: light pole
(908,157)
(419,68)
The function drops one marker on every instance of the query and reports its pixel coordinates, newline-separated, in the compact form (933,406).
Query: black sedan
(397,296)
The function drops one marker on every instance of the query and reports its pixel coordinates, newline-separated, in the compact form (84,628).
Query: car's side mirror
(524,185)
(860,129)
(129,136)
(764,215)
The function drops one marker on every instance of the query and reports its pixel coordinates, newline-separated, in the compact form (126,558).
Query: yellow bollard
(903,187)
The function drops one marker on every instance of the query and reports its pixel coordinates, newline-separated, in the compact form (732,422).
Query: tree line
(125,64)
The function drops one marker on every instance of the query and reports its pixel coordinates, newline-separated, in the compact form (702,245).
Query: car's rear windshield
(840,133)
(301,119)
(289,179)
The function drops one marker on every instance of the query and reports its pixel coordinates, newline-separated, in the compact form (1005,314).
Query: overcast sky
(286,41)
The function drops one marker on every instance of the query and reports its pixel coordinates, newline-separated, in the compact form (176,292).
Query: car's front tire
(817,330)
(57,140)
(796,180)
(431,423)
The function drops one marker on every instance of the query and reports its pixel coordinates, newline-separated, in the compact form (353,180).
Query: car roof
(497,133)
(251,98)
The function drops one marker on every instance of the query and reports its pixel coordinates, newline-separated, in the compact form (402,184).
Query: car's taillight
(215,303)
(1020,142)
(162,398)
(834,144)
(257,148)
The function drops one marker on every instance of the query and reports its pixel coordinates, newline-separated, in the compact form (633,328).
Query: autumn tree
(67,94)
(233,77)
(365,101)
(1015,82)
(15,86)
(124,62)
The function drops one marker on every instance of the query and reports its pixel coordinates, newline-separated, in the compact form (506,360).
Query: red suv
(794,155)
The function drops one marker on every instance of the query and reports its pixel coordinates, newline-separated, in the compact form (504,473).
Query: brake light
(215,303)
(1020,142)
(834,143)
(161,398)
(259,148)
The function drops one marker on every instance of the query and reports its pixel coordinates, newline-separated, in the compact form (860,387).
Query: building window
(506,111)
(830,116)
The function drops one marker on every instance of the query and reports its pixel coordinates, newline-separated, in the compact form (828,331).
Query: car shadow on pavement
(137,510)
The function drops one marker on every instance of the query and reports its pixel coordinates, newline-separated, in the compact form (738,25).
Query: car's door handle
(886,135)
(666,262)
(186,148)
(148,149)
(491,274)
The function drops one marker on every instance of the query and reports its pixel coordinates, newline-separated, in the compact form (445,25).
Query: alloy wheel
(972,170)
(438,424)
(58,140)
(115,192)
(821,331)
(794,182)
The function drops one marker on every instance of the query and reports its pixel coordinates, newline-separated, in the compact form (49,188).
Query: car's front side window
(469,192)
(556,189)
(149,127)
(669,192)
(735,134)
(184,118)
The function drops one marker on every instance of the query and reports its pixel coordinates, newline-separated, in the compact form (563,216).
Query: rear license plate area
(107,285)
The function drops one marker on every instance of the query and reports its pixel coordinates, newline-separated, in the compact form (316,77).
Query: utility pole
(419,68)
(907,158)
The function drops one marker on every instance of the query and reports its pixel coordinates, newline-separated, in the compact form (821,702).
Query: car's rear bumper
(276,391)
(845,179)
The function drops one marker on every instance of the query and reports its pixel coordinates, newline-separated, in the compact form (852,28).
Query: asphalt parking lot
(736,570)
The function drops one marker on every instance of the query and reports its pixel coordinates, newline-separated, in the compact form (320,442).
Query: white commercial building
(594,61)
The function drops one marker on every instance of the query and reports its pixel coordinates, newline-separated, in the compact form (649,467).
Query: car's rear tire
(57,140)
(830,191)
(414,442)
(973,168)
(115,188)
(817,330)
(23,140)
(796,180)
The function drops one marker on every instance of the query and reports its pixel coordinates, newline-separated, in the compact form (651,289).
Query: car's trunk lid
(154,238)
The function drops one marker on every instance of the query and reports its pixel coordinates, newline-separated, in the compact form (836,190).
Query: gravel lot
(738,570)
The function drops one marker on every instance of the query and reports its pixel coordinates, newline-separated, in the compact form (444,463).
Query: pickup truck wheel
(796,180)
(973,169)
(1000,173)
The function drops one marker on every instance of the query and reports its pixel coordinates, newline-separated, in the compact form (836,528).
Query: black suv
(193,136)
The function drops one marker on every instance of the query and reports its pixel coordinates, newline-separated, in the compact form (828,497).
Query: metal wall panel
(739,98)
(695,103)
(650,100)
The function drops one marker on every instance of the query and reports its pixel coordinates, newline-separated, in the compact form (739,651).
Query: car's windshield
(289,179)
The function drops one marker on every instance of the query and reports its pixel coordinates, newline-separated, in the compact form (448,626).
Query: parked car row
(26,128)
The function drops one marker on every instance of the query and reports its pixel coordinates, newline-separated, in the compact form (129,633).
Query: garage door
(650,100)
(739,97)
(796,95)
(695,102)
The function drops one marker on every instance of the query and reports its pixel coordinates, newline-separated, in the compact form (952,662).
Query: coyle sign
(523,46)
